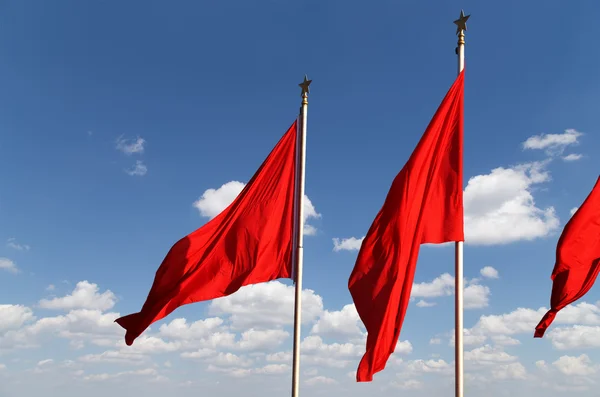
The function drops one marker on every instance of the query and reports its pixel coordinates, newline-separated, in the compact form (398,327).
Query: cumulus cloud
(130,146)
(575,337)
(488,355)
(273,305)
(347,244)
(583,320)
(475,296)
(214,201)
(244,347)
(575,366)
(500,208)
(84,296)
(14,316)
(340,323)
(8,265)
(320,380)
(489,272)
(509,371)
(423,303)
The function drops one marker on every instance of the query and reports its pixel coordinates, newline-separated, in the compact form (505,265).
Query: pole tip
(461,22)
(304,85)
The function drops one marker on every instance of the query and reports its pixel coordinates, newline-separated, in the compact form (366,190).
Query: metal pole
(299,237)
(461,24)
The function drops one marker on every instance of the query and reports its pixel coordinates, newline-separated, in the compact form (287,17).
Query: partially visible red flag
(577,258)
(424,205)
(250,242)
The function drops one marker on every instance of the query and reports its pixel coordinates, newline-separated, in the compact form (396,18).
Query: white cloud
(139,169)
(214,201)
(14,316)
(410,384)
(338,323)
(8,265)
(84,296)
(423,303)
(279,357)
(505,340)
(575,337)
(573,157)
(262,339)
(500,327)
(553,143)
(509,371)
(77,326)
(45,362)
(150,372)
(429,366)
(489,272)
(130,146)
(115,357)
(488,355)
(470,338)
(320,380)
(12,243)
(179,328)
(272,304)
(575,366)
(440,286)
(475,296)
(51,287)
(573,210)
(222,349)
(347,244)
(230,360)
(500,209)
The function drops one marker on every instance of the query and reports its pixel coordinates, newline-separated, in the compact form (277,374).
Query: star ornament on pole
(461,22)
(304,85)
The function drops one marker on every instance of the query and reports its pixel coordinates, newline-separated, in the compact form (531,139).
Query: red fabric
(249,242)
(577,258)
(424,205)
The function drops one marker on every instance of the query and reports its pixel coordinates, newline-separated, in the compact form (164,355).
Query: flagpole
(461,24)
(299,235)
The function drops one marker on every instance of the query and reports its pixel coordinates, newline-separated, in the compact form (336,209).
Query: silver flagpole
(461,27)
(299,234)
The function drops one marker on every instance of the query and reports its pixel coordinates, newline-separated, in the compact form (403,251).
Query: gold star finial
(461,23)
(304,85)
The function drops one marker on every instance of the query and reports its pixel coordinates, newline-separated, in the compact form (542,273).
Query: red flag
(424,205)
(250,242)
(577,258)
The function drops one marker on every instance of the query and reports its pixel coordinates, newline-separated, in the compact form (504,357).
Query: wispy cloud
(573,157)
(139,169)
(553,144)
(130,146)
(12,243)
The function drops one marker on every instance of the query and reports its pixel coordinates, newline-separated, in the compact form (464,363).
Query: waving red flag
(577,258)
(424,205)
(250,242)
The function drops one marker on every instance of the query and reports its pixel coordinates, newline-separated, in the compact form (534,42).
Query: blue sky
(115,118)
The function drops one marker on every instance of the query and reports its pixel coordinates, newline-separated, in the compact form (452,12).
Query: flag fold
(423,205)
(249,242)
(577,258)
